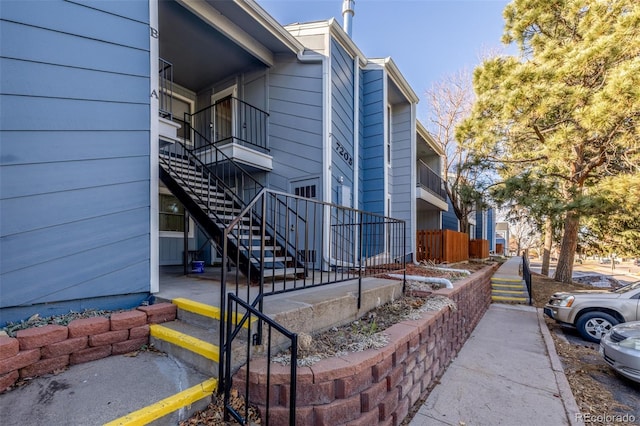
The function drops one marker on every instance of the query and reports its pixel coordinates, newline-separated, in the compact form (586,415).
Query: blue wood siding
(74,166)
(400,188)
(295,121)
(342,122)
(449,218)
(479,224)
(360,139)
(372,166)
(491,229)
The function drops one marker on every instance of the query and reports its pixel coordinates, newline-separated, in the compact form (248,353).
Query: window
(171,214)
(308,191)
(389,135)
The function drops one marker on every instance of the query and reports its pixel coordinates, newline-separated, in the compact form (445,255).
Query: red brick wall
(41,350)
(376,386)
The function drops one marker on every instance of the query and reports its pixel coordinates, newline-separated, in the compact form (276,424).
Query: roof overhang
(247,25)
(424,134)
(331,27)
(396,76)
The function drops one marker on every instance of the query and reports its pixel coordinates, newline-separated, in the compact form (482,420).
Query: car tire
(593,325)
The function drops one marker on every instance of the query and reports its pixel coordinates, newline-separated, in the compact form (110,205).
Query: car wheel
(593,325)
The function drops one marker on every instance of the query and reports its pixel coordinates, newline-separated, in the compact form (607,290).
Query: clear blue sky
(427,39)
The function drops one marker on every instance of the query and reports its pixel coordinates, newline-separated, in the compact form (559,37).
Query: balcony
(430,187)
(234,127)
(168,128)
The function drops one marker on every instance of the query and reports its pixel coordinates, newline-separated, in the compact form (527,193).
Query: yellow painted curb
(510,291)
(507,280)
(198,346)
(168,405)
(509,299)
(197,307)
(206,310)
(506,286)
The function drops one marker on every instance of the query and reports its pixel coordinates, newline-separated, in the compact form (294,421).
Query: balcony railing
(431,181)
(231,120)
(165,89)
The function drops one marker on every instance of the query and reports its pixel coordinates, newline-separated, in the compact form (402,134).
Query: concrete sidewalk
(507,373)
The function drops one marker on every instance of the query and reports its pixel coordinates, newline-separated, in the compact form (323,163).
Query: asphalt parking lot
(624,391)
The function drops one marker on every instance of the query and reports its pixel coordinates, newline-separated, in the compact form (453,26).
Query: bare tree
(449,102)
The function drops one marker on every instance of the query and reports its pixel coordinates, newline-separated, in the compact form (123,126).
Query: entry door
(223,116)
(308,241)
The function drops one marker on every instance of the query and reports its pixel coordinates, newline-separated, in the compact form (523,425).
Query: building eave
(332,27)
(396,76)
(424,133)
(262,16)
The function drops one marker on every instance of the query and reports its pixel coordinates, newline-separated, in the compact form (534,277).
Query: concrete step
(191,344)
(187,402)
(509,292)
(508,286)
(510,299)
(191,339)
(202,315)
(506,280)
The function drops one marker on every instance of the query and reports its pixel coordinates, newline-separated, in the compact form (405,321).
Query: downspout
(413,203)
(431,280)
(326,138)
(356,133)
(327,143)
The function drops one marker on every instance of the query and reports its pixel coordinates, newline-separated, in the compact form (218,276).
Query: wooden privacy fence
(479,249)
(442,246)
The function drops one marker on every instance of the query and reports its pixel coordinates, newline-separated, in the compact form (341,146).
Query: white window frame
(173,234)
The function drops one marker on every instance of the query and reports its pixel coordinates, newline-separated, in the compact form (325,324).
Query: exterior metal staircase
(197,178)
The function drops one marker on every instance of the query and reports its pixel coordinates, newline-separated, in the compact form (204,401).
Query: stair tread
(187,336)
(168,405)
(203,309)
(507,298)
(509,292)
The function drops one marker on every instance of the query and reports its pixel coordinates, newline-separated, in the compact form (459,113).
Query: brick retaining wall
(41,350)
(377,386)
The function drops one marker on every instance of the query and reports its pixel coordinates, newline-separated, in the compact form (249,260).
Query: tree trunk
(564,270)
(546,250)
(464,224)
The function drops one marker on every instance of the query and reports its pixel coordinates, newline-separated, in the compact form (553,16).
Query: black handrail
(231,120)
(165,89)
(526,276)
(292,339)
(430,180)
(324,243)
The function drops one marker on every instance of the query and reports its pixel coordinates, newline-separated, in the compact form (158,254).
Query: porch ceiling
(202,55)
(424,151)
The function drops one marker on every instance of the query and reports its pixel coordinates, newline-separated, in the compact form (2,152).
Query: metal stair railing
(211,202)
(330,243)
(231,120)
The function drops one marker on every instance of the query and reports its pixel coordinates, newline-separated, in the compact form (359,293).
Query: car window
(628,287)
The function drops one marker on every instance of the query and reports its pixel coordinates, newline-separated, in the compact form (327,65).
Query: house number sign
(344,154)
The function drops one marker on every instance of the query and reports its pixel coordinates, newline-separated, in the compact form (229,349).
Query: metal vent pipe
(347,15)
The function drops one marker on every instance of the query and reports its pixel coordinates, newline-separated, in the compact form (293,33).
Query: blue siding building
(92,92)
(75,217)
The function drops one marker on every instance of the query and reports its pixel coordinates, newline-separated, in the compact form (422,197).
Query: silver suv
(593,313)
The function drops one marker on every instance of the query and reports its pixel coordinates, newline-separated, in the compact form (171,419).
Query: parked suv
(594,312)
